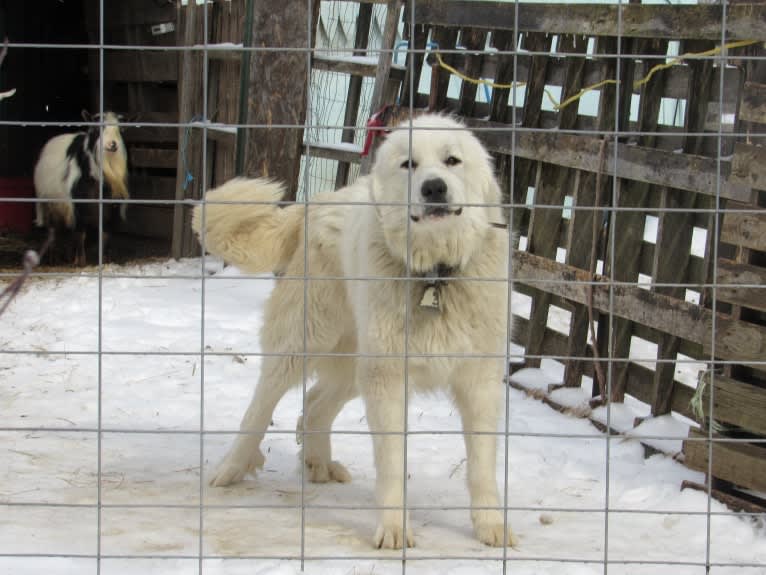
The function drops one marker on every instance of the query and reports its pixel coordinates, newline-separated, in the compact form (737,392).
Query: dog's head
(443,179)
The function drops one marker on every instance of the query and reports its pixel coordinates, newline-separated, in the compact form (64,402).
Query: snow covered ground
(562,472)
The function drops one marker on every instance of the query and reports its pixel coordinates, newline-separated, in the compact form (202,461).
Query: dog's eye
(409,164)
(452,161)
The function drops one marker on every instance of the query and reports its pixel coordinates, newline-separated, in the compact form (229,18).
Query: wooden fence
(704,172)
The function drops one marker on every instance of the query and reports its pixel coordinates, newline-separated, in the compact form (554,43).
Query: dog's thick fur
(459,347)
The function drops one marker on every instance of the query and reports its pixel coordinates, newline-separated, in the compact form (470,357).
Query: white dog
(415,284)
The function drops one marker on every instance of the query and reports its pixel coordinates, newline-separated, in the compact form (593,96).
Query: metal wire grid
(407,560)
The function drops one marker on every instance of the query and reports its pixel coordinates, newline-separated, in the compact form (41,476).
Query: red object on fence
(16,216)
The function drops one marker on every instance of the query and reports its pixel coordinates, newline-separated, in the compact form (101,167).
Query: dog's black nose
(434,191)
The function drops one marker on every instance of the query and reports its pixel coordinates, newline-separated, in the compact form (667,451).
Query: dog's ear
(491,188)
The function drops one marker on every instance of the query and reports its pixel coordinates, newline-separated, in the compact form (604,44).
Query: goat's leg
(80,258)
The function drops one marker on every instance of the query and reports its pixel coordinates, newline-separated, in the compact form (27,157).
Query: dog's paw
(234,468)
(493,533)
(390,534)
(324,472)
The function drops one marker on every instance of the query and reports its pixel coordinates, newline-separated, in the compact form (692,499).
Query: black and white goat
(71,167)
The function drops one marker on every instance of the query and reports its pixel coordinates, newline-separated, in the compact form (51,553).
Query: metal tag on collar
(432,297)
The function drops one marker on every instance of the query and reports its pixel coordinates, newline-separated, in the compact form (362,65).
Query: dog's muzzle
(435,202)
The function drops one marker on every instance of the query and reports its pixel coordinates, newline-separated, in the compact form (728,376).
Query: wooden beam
(354,66)
(754,103)
(343,153)
(682,171)
(743,464)
(733,502)
(744,228)
(735,402)
(735,340)
(743,21)
(748,165)
(741,284)
(189,148)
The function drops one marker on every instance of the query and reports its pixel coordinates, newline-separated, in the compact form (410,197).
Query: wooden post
(393,7)
(277,91)
(189,103)
(545,231)
(674,231)
(354,93)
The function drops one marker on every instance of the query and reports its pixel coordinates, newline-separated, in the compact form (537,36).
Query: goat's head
(111,153)
(110,138)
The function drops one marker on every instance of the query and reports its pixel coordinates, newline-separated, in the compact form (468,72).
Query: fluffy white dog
(403,268)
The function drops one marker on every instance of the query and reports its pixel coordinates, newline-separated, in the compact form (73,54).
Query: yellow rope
(483,82)
(581,93)
(478,81)
(558,106)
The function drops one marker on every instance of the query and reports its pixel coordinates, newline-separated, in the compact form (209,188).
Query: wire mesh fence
(627,142)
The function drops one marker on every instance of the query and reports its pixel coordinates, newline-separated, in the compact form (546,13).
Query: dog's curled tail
(245,226)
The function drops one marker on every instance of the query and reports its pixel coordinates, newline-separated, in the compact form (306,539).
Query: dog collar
(431,298)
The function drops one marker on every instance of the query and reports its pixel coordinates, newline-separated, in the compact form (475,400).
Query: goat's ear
(86,115)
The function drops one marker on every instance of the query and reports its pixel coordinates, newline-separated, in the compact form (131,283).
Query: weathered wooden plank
(474,41)
(734,402)
(741,284)
(355,66)
(414,64)
(349,153)
(446,39)
(527,172)
(669,138)
(735,340)
(744,228)
(498,110)
(743,21)
(754,103)
(504,64)
(676,223)
(748,165)
(683,171)
(629,225)
(733,502)
(554,185)
(743,464)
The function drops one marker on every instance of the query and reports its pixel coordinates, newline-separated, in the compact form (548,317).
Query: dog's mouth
(436,213)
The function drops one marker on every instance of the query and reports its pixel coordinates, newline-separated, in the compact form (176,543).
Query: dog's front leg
(383,391)
(478,402)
